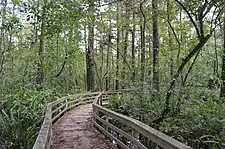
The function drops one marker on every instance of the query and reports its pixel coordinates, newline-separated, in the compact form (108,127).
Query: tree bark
(90,50)
(222,90)
(133,48)
(2,37)
(127,17)
(142,28)
(155,46)
(118,47)
(41,52)
(170,40)
(215,61)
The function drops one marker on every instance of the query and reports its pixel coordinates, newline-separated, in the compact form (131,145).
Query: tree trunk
(123,74)
(2,38)
(215,62)
(41,52)
(155,46)
(90,50)
(133,48)
(222,90)
(109,54)
(170,40)
(142,28)
(118,47)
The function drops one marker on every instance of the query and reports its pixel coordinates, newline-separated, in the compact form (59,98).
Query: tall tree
(222,91)
(215,61)
(142,29)
(2,38)
(90,76)
(170,37)
(133,31)
(155,45)
(118,46)
(125,42)
(42,50)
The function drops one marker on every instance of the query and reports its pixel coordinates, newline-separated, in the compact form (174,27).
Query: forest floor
(74,131)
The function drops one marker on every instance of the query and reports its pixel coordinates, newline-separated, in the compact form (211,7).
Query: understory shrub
(195,122)
(21,116)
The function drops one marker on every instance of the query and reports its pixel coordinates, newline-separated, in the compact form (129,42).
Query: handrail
(43,140)
(54,111)
(102,117)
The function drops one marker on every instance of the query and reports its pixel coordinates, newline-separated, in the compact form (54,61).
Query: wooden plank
(58,108)
(73,102)
(84,94)
(81,99)
(85,98)
(79,103)
(58,115)
(154,135)
(58,101)
(121,132)
(96,100)
(121,144)
(74,96)
(44,135)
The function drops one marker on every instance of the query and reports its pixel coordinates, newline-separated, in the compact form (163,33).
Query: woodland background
(172,52)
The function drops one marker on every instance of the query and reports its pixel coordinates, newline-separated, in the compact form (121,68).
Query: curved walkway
(74,131)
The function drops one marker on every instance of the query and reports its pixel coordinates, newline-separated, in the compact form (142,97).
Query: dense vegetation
(196,123)
(171,51)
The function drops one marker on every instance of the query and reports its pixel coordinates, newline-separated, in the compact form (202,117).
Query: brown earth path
(74,131)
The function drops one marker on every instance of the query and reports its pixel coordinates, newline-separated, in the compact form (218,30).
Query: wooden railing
(134,131)
(103,119)
(54,111)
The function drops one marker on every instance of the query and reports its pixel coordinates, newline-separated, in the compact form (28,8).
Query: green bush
(21,116)
(199,119)
(196,119)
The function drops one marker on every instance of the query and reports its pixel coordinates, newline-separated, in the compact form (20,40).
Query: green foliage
(22,109)
(21,116)
(198,119)
(195,120)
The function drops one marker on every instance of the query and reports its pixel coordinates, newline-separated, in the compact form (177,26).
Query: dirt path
(74,131)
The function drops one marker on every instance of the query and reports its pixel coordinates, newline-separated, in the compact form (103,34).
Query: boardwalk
(74,131)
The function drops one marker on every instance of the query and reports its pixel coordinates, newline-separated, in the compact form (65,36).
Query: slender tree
(42,50)
(142,29)
(170,38)
(222,91)
(155,45)
(125,43)
(215,61)
(90,76)
(2,38)
(133,31)
(118,46)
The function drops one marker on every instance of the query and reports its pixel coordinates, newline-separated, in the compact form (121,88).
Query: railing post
(135,134)
(95,112)
(100,100)
(66,104)
(107,120)
(50,129)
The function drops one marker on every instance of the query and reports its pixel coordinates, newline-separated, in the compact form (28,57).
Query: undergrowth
(196,121)
(21,116)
